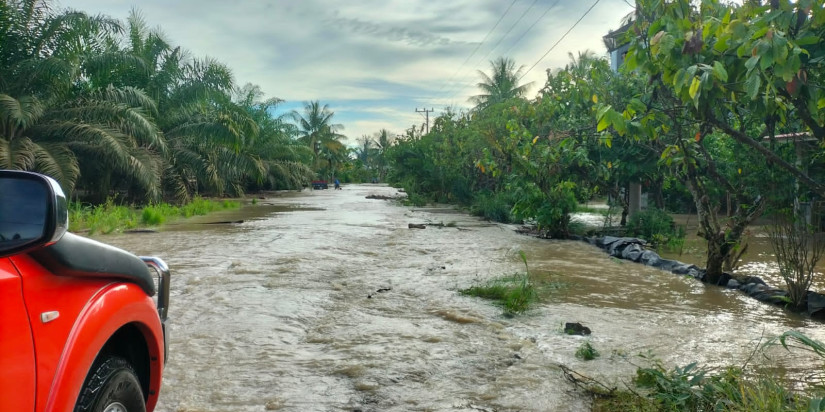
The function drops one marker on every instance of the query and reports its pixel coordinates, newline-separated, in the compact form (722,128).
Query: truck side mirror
(33,211)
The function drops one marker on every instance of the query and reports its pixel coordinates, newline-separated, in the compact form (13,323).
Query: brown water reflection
(283,311)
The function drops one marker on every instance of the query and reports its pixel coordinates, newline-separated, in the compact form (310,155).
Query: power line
(531,27)
(509,30)
(559,40)
(479,45)
(454,92)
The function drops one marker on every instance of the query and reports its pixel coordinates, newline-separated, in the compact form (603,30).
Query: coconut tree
(501,84)
(315,127)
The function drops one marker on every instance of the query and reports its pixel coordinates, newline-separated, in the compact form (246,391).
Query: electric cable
(560,39)
(478,46)
(500,39)
(531,27)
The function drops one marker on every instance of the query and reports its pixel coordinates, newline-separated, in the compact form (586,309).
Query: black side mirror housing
(33,212)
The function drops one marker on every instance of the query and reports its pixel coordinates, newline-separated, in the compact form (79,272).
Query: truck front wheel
(112,386)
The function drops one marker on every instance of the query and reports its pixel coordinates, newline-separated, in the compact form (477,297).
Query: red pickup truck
(82,324)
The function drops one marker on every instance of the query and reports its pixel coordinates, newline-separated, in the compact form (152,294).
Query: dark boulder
(816,305)
(616,247)
(775,296)
(607,241)
(680,269)
(724,279)
(696,273)
(576,328)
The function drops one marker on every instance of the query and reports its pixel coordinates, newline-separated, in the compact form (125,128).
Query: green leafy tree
(722,71)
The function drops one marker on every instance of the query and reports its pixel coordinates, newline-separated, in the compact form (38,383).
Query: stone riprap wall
(633,249)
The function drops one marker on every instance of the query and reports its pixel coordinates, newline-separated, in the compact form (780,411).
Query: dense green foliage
(717,111)
(656,226)
(726,82)
(512,159)
(112,110)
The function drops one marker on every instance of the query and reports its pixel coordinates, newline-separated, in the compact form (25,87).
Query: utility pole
(426,116)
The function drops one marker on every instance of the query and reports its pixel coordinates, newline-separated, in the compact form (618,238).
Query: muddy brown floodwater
(326,301)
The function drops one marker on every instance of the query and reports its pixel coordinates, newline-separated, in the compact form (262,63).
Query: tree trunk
(722,239)
(716,258)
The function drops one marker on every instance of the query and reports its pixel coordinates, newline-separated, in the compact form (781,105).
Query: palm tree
(500,85)
(365,150)
(53,120)
(286,162)
(204,129)
(383,143)
(315,127)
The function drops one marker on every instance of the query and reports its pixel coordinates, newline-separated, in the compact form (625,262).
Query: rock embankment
(633,249)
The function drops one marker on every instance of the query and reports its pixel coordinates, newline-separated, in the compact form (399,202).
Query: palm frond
(19,113)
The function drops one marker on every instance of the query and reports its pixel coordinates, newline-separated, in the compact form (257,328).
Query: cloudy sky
(374,62)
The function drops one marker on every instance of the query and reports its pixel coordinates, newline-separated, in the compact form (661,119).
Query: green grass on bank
(697,388)
(109,217)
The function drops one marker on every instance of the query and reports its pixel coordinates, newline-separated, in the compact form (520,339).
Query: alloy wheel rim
(115,407)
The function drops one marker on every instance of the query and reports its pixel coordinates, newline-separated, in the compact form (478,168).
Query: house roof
(615,39)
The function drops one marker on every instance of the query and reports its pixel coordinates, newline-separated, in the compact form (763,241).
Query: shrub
(493,206)
(656,226)
(151,216)
(798,249)
(550,210)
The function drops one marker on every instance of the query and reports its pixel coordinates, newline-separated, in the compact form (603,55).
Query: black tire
(111,386)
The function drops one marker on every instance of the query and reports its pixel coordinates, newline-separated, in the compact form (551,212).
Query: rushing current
(326,301)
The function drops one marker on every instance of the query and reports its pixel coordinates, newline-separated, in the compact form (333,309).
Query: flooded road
(326,301)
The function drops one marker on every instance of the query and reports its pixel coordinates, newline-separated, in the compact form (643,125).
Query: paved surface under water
(326,301)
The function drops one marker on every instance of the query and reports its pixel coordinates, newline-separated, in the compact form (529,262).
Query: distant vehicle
(320,184)
(82,324)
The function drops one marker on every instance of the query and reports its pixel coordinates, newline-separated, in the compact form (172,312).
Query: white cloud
(371,57)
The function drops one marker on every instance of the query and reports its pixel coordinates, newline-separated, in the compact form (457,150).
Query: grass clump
(110,217)
(587,352)
(105,218)
(513,293)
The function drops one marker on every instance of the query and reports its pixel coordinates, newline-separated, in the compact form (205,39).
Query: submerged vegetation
(587,352)
(513,293)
